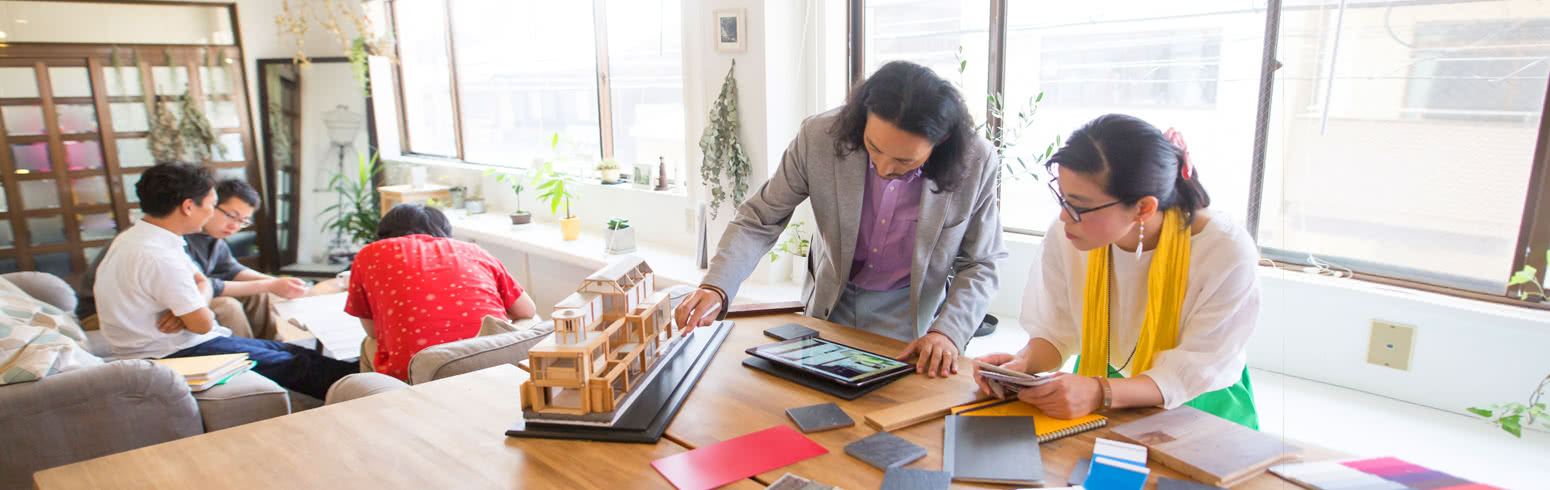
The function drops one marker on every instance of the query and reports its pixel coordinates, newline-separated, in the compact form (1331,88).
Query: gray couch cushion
(469,355)
(246,397)
(44,287)
(361,385)
(92,412)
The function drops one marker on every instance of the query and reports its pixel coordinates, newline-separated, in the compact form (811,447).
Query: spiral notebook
(1047,427)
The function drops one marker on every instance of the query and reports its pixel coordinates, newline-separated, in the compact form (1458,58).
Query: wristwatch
(1108,392)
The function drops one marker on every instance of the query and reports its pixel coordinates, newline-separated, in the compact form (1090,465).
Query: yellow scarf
(1165,288)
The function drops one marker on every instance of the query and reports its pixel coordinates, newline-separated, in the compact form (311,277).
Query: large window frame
(1534,231)
(605,102)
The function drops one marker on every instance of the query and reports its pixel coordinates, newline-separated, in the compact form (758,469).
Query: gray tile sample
(913,479)
(820,417)
(883,450)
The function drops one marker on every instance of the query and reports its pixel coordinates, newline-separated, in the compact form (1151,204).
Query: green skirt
(1234,403)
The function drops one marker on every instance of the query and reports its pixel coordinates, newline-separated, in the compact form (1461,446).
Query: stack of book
(203,372)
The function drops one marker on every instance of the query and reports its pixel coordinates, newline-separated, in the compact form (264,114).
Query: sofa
(112,407)
(499,342)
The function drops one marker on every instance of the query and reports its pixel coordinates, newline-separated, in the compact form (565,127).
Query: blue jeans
(296,368)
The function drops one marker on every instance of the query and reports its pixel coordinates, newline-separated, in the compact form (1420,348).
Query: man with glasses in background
(241,300)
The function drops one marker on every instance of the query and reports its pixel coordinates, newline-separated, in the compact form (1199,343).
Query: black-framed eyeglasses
(1073,211)
(245,222)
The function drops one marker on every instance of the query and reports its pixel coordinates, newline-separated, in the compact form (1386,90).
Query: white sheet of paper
(324,316)
(1120,450)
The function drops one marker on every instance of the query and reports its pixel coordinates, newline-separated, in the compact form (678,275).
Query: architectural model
(608,338)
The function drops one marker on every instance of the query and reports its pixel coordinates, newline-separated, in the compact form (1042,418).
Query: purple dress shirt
(885,244)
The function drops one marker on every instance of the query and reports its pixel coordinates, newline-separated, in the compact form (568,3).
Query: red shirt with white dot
(421,291)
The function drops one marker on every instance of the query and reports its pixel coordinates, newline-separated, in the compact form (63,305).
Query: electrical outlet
(1391,345)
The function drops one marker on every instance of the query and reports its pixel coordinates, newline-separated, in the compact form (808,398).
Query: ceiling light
(22,21)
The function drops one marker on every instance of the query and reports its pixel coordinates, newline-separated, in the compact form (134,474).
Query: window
(1411,159)
(1403,150)
(425,78)
(1444,81)
(1192,66)
(645,59)
(526,71)
(934,33)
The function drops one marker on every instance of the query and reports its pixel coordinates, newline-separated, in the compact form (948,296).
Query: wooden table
(732,400)
(443,434)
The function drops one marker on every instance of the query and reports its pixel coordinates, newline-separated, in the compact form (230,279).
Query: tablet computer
(832,361)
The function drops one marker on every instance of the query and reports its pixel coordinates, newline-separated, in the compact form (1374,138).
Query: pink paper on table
(734,459)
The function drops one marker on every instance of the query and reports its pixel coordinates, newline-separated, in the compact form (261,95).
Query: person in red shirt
(416,287)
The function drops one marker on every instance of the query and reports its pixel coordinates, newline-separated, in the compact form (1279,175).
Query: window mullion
(605,120)
(855,15)
(1267,71)
(457,103)
(1535,230)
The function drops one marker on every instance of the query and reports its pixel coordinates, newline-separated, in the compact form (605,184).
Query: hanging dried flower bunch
(296,19)
(165,141)
(197,133)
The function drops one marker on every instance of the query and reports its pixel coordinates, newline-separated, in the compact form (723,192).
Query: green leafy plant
(553,186)
(1009,133)
(1513,417)
(514,182)
(608,164)
(618,223)
(724,150)
(1527,277)
(795,243)
(357,216)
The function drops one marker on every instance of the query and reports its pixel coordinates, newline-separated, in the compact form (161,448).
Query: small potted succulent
(609,170)
(518,217)
(619,236)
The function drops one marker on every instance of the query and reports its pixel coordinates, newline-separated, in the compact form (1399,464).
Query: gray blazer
(958,238)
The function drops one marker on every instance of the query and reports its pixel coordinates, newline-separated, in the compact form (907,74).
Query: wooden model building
(607,337)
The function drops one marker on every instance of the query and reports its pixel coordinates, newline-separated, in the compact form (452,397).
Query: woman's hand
(1068,396)
(999,359)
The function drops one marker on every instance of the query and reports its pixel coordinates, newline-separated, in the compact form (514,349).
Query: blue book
(1112,474)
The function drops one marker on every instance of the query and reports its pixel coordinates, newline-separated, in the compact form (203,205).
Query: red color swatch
(734,459)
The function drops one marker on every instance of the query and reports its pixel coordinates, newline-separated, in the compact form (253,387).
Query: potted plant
(518,217)
(553,189)
(619,237)
(609,170)
(784,258)
(356,216)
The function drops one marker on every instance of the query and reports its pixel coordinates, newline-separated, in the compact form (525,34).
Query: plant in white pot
(619,236)
(609,171)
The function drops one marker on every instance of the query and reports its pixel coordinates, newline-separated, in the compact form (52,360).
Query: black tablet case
(813,381)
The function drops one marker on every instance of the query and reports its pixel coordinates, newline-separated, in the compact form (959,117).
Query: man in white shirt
(145,274)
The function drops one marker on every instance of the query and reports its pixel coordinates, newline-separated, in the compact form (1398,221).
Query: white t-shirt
(1221,306)
(144,273)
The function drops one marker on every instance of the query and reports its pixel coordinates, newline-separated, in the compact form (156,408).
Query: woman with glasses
(1139,280)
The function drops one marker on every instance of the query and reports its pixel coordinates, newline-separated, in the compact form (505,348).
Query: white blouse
(1221,307)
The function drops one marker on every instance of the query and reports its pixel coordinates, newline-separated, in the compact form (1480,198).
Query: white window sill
(543,239)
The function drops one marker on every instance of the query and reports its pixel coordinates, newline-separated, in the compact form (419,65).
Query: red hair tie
(1187,170)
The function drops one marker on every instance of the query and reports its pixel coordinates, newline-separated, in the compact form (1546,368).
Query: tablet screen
(824,357)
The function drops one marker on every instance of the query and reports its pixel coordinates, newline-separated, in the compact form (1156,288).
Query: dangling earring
(1140,241)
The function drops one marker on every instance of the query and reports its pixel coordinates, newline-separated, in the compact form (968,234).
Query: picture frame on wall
(731,30)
